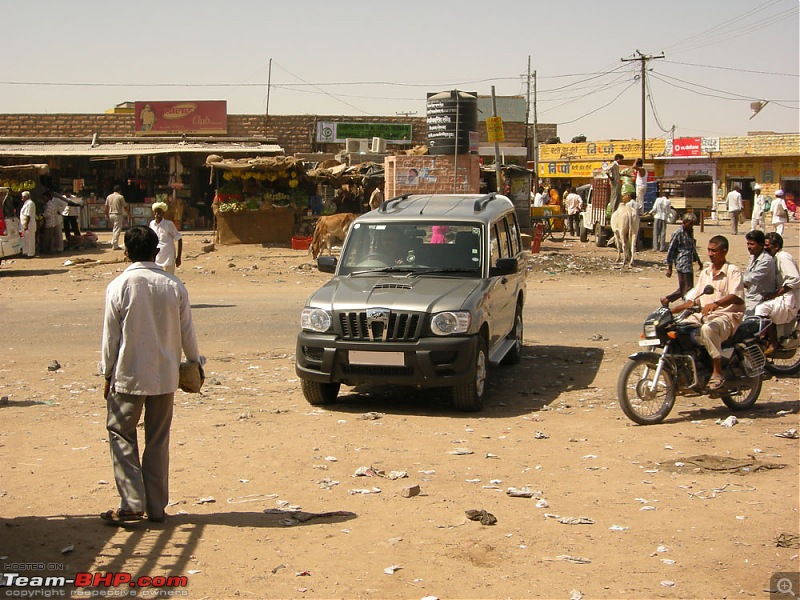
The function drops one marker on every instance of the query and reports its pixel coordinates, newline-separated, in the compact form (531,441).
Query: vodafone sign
(687,147)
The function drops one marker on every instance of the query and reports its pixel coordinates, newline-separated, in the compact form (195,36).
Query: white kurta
(168,235)
(28,216)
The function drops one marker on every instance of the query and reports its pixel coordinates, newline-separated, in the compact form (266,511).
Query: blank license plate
(649,342)
(394,359)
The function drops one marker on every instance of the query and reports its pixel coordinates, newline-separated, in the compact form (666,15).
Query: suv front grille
(403,327)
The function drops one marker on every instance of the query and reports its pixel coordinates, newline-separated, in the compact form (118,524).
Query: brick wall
(437,174)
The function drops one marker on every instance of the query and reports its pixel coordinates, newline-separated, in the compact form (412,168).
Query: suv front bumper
(427,362)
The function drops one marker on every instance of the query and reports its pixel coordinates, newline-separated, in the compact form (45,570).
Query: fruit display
(19,186)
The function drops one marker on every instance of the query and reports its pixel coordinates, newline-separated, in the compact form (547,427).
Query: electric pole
(643,59)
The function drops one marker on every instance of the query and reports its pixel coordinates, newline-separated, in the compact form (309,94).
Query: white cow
(625,225)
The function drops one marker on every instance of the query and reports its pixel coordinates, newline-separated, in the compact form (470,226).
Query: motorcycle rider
(722,311)
(782,305)
(759,276)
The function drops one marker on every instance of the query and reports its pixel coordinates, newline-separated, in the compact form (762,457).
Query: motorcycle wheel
(783,362)
(639,404)
(748,397)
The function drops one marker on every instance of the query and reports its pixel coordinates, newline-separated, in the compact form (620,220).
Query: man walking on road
(572,204)
(147,323)
(734,202)
(660,212)
(116,209)
(682,253)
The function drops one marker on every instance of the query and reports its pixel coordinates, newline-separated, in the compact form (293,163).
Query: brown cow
(328,229)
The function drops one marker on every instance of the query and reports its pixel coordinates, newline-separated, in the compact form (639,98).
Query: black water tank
(452,117)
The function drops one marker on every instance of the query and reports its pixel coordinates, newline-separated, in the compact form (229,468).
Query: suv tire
(469,396)
(515,354)
(319,394)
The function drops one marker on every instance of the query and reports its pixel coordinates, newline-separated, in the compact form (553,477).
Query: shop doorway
(791,192)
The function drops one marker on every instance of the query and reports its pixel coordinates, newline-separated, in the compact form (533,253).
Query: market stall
(258,199)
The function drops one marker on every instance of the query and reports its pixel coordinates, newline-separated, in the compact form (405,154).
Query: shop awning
(123,150)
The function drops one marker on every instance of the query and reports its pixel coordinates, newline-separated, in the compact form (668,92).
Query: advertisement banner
(567,169)
(160,118)
(494,130)
(687,147)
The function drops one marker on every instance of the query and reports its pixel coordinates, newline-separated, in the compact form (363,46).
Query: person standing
(52,229)
(722,311)
(612,172)
(376,198)
(682,252)
(759,204)
(146,324)
(116,208)
(70,215)
(538,199)
(641,182)
(782,305)
(167,234)
(27,217)
(660,212)
(780,214)
(734,205)
(572,205)
(759,276)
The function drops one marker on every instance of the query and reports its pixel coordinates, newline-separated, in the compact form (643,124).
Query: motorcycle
(785,360)
(677,362)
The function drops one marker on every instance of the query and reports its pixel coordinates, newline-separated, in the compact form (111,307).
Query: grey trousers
(143,485)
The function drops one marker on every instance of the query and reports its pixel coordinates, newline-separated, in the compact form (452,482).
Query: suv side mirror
(327,264)
(504,266)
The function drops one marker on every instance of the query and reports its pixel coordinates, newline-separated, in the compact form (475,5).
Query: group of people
(59,223)
(769,287)
(777,206)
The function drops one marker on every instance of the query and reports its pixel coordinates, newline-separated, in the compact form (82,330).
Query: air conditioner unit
(378,145)
(352,145)
(363,146)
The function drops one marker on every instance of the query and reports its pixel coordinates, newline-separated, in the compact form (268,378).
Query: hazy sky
(380,58)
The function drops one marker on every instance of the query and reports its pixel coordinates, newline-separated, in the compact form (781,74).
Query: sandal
(715,383)
(119,515)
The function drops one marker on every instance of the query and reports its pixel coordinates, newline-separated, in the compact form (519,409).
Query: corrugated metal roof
(121,150)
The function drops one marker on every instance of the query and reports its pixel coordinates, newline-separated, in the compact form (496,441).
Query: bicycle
(550,229)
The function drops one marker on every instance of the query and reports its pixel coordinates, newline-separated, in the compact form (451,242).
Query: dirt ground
(684,509)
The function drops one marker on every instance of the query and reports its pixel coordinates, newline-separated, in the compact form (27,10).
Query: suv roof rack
(385,204)
(480,203)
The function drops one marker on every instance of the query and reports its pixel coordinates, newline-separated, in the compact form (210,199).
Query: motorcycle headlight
(315,319)
(448,323)
(650,330)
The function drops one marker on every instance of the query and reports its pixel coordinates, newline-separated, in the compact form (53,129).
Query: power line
(599,108)
(674,62)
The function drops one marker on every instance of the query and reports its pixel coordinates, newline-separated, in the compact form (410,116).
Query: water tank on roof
(452,116)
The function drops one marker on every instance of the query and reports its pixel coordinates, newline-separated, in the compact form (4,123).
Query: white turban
(160,205)
(26,194)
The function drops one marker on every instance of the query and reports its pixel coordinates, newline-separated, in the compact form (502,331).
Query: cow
(328,229)
(625,225)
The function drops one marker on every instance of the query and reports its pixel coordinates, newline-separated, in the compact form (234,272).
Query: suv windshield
(413,247)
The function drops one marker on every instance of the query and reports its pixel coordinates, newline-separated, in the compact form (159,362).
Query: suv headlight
(315,319)
(448,323)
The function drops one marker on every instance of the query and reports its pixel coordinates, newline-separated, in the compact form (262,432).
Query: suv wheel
(515,354)
(469,396)
(319,394)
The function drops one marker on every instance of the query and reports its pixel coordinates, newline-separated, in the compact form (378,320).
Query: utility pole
(528,103)
(269,85)
(497,169)
(643,59)
(535,138)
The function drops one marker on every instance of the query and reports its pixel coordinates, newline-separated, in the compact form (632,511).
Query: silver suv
(428,292)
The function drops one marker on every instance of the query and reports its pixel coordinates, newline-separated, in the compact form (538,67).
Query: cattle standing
(625,225)
(329,228)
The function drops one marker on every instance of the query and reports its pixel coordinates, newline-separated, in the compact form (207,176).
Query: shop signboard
(687,147)
(568,169)
(331,132)
(494,130)
(194,117)
(600,150)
